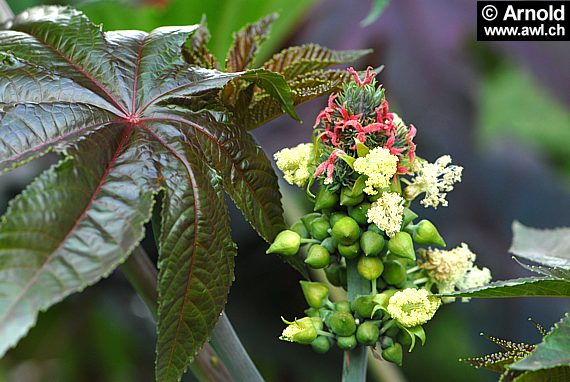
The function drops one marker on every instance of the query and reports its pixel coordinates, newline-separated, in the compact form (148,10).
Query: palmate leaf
(103,100)
(523,287)
(550,247)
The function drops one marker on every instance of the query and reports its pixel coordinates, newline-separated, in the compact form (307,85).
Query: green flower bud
(320,228)
(404,338)
(286,243)
(336,216)
(342,323)
(374,228)
(393,331)
(359,212)
(363,306)
(312,312)
(333,274)
(343,276)
(308,218)
(315,293)
(317,257)
(425,233)
(393,354)
(407,284)
(346,231)
(325,199)
(386,342)
(329,244)
(382,299)
(409,216)
(349,251)
(321,344)
(346,343)
(348,198)
(367,333)
(342,306)
(371,243)
(370,267)
(380,283)
(300,228)
(301,331)
(317,322)
(394,272)
(401,245)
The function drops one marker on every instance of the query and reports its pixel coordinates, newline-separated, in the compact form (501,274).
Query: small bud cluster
(365,176)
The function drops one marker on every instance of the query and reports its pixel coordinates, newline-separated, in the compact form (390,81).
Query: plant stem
(226,343)
(5,11)
(355,361)
(143,276)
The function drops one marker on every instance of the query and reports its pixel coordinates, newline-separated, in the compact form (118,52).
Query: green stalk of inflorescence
(337,231)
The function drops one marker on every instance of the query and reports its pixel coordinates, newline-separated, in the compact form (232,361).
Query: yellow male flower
(295,163)
(387,213)
(379,166)
(412,307)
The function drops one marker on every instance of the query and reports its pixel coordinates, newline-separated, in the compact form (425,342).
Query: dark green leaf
(246,44)
(553,351)
(377,9)
(557,374)
(72,226)
(196,51)
(550,247)
(559,273)
(299,60)
(525,287)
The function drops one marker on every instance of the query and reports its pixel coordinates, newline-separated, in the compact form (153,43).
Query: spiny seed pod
(394,272)
(300,228)
(342,324)
(342,306)
(336,216)
(346,231)
(329,244)
(371,243)
(321,344)
(317,257)
(286,243)
(349,251)
(326,199)
(409,216)
(393,354)
(308,219)
(348,198)
(425,233)
(333,274)
(363,306)
(401,245)
(359,212)
(370,267)
(367,333)
(346,342)
(320,228)
(315,293)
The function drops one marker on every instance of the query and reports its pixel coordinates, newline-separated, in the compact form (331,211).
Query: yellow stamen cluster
(412,307)
(435,180)
(387,213)
(295,163)
(379,166)
(448,267)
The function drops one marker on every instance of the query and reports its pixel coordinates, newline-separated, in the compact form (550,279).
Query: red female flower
(328,165)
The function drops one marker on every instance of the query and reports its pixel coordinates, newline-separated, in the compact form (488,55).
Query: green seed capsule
(333,274)
(326,199)
(308,219)
(317,257)
(347,198)
(300,228)
(394,272)
(401,245)
(320,228)
(371,243)
(359,212)
(286,243)
(363,306)
(342,306)
(409,216)
(315,293)
(342,323)
(370,267)
(329,244)
(346,231)
(367,333)
(349,251)
(346,342)
(393,354)
(425,233)
(321,344)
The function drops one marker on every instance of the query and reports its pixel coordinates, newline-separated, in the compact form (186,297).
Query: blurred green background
(501,109)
